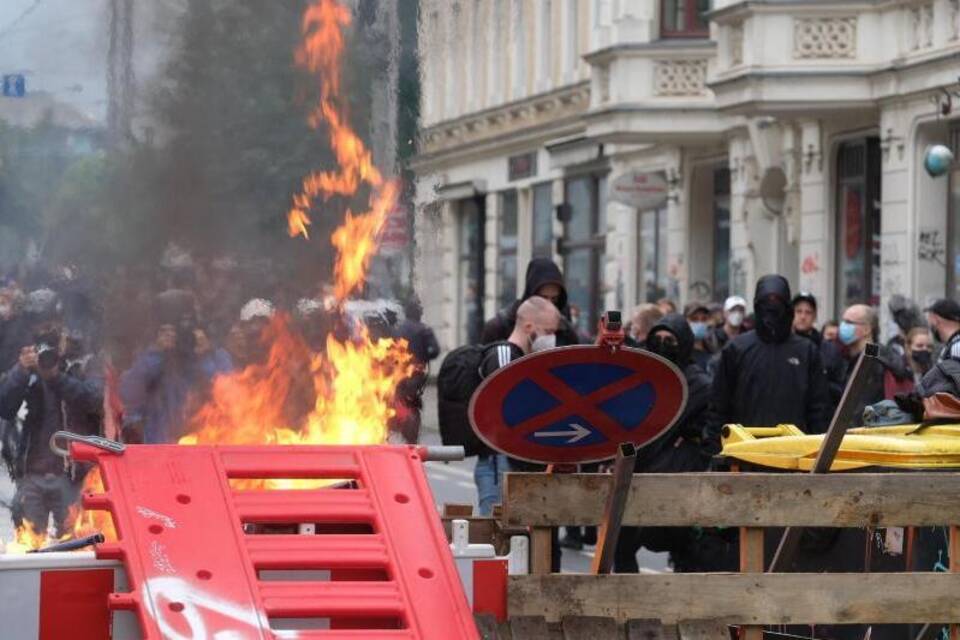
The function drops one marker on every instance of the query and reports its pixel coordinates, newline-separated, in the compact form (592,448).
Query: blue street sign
(14,86)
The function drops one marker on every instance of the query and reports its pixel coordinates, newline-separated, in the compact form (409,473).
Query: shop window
(543,220)
(684,18)
(654,282)
(953,224)
(471,269)
(721,233)
(858,223)
(507,253)
(583,245)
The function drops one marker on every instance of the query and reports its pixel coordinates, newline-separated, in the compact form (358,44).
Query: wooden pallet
(598,628)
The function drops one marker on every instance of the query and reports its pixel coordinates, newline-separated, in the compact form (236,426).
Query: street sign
(395,235)
(14,86)
(639,190)
(577,404)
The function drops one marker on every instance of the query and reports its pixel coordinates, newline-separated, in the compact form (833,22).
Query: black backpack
(457,381)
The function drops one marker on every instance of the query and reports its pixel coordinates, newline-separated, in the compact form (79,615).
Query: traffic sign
(14,86)
(576,404)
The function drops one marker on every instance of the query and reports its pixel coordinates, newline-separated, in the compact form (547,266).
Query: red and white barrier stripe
(53,596)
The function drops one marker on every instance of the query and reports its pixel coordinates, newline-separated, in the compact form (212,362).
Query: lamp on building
(937,160)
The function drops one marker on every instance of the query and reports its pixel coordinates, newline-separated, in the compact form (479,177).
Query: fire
(320,54)
(344,395)
(82,523)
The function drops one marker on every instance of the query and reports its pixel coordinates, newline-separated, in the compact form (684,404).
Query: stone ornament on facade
(921,23)
(680,78)
(475,128)
(819,38)
(736,44)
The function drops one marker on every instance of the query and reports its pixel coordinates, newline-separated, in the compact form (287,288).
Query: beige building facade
(670,148)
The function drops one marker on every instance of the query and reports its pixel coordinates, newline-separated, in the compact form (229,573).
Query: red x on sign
(576,404)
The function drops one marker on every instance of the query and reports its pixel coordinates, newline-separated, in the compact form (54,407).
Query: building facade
(670,148)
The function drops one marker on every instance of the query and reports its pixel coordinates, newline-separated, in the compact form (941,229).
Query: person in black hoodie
(545,280)
(770,375)
(676,451)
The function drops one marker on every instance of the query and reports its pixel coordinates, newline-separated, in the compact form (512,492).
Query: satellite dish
(773,190)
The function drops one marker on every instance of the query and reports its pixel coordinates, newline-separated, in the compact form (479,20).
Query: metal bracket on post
(843,418)
(609,530)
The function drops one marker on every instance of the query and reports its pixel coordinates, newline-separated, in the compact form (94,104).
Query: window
(543,220)
(583,246)
(654,283)
(471,271)
(858,223)
(507,255)
(953,227)
(684,18)
(721,233)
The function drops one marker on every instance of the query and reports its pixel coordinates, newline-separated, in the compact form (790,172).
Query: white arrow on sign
(578,433)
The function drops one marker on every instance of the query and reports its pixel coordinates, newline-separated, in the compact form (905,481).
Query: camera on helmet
(48,357)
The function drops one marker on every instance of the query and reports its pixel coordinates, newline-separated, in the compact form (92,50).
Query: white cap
(256,308)
(734,302)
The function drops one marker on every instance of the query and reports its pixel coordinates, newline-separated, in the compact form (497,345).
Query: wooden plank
(766,598)
(739,499)
(954,555)
(530,627)
(541,551)
(751,561)
(644,629)
(590,628)
(704,630)
(456,510)
(865,374)
(609,531)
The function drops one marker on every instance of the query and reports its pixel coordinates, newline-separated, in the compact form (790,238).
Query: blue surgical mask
(699,330)
(847,333)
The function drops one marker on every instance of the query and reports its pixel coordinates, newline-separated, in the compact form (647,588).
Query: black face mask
(924,359)
(774,320)
(665,348)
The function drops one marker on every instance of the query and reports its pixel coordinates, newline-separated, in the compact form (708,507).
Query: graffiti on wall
(931,247)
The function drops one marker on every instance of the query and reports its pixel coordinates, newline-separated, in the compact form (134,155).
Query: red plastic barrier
(490,588)
(193,570)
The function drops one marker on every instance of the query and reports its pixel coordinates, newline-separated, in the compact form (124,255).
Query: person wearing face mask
(676,451)
(535,330)
(943,318)
(543,280)
(859,325)
(769,375)
(919,352)
(734,313)
(698,316)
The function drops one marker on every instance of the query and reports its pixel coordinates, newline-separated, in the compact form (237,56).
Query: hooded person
(545,280)
(677,451)
(769,376)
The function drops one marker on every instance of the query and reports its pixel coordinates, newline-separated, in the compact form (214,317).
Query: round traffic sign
(576,404)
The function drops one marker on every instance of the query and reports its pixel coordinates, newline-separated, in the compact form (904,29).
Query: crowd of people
(134,357)
(762,364)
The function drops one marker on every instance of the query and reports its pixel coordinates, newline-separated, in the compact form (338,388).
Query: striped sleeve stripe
(503,353)
(955,350)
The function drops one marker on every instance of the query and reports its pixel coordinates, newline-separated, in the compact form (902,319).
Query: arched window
(684,18)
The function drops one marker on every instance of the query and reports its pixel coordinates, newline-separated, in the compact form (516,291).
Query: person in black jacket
(544,280)
(769,376)
(676,451)
(54,401)
(423,346)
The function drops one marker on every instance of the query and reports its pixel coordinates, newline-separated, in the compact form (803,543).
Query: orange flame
(345,395)
(29,537)
(321,52)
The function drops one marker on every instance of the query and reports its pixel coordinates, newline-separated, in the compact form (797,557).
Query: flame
(80,522)
(320,54)
(350,393)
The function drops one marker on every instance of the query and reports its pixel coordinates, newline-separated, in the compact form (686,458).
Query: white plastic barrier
(22,589)
(464,554)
